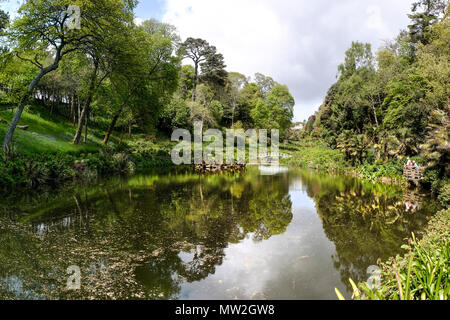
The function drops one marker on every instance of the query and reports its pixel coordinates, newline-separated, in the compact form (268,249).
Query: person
(407,206)
(408,163)
(414,165)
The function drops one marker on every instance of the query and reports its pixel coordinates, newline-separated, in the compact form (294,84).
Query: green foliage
(378,114)
(276,112)
(175,115)
(315,154)
(376,171)
(444,195)
(422,273)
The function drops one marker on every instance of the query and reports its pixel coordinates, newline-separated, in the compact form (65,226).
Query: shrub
(444,195)
(35,173)
(123,163)
(421,274)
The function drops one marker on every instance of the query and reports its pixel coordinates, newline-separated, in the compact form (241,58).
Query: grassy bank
(422,273)
(44,152)
(315,154)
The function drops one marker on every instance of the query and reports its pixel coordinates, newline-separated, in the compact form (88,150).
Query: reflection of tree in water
(365,221)
(127,237)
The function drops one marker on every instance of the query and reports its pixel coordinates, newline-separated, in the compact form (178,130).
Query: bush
(35,173)
(122,163)
(421,274)
(101,163)
(378,170)
(444,195)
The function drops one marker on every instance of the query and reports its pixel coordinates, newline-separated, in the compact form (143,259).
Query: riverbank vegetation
(392,104)
(420,274)
(387,107)
(105,96)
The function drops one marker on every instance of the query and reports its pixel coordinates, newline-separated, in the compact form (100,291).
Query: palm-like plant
(436,149)
(344,143)
(401,143)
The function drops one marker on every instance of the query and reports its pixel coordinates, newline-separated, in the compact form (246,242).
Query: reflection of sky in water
(131,236)
(294,265)
(272,170)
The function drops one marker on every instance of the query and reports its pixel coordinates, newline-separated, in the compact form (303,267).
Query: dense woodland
(394,103)
(95,94)
(116,74)
(113,78)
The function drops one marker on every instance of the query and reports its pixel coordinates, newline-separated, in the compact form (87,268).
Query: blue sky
(146,9)
(10,6)
(150,9)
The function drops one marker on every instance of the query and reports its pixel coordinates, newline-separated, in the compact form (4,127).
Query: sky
(299,43)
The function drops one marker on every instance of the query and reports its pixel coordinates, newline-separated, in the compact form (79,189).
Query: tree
(204,55)
(44,24)
(186,81)
(249,96)
(201,109)
(264,83)
(359,56)
(281,104)
(147,74)
(213,70)
(436,147)
(261,115)
(425,13)
(175,115)
(235,83)
(4,20)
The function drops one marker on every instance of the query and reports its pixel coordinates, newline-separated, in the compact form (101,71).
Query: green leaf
(339,294)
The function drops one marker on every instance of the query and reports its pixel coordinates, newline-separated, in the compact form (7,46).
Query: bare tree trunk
(111,127)
(195,81)
(71,107)
(79,111)
(374,112)
(85,112)
(77,137)
(86,126)
(26,97)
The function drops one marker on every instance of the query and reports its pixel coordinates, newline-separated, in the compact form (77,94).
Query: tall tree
(213,70)
(147,75)
(235,83)
(45,24)
(425,13)
(4,20)
(264,83)
(357,57)
(203,54)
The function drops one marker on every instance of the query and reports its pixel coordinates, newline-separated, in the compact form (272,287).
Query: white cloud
(138,21)
(299,43)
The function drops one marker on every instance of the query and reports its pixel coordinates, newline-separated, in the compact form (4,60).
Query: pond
(261,234)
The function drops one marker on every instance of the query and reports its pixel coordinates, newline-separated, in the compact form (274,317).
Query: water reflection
(292,235)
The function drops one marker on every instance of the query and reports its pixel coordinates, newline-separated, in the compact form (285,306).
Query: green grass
(45,135)
(315,154)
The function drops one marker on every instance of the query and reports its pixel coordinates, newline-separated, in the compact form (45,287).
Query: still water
(293,234)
